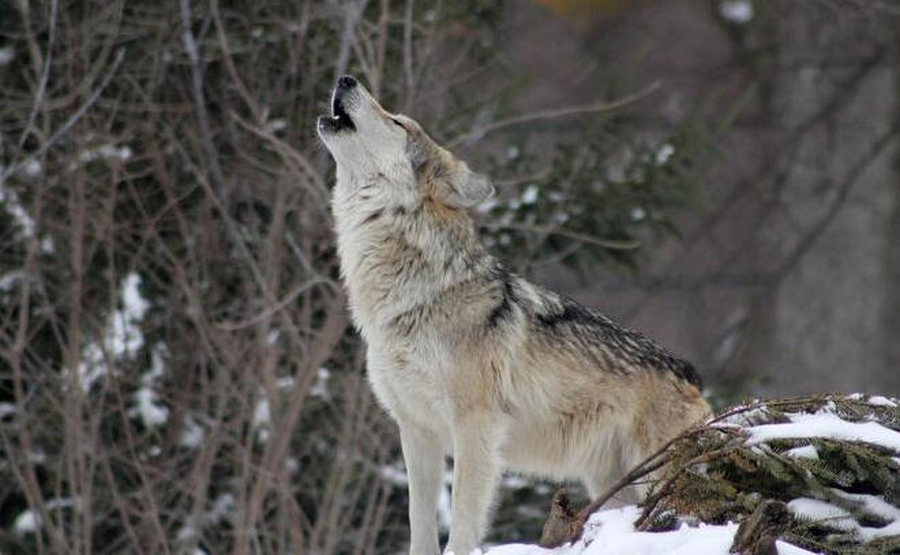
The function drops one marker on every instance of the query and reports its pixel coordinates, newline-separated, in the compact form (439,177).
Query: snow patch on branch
(828,426)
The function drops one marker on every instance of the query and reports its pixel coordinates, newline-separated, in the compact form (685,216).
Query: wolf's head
(390,151)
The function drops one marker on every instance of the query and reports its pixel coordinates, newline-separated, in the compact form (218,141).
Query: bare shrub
(177,369)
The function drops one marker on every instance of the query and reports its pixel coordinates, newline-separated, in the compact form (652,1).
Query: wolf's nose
(347,82)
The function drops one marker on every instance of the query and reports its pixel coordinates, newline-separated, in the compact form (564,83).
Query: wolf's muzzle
(340,120)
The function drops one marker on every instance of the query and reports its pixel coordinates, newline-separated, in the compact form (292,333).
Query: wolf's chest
(386,276)
(410,390)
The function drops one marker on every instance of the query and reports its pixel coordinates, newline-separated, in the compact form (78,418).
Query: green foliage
(717,476)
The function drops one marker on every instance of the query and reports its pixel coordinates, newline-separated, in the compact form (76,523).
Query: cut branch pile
(833,461)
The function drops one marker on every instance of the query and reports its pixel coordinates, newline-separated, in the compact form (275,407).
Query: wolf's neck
(396,258)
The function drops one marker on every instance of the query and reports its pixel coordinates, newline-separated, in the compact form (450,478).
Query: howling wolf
(470,359)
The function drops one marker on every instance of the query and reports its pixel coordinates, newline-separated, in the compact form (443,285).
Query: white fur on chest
(413,390)
(393,265)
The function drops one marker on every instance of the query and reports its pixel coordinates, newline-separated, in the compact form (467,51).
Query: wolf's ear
(465,189)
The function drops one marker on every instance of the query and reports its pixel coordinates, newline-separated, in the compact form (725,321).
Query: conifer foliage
(832,460)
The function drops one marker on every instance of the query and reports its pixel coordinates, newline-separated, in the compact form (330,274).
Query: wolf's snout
(347,82)
(341,99)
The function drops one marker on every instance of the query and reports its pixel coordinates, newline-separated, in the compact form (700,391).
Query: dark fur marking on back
(621,342)
(509,298)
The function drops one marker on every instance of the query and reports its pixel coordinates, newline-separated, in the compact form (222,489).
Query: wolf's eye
(397,122)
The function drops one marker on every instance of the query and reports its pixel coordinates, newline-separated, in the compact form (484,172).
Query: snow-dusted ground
(612,533)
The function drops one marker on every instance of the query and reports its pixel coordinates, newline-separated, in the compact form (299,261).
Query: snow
(836,517)
(6,409)
(804,452)
(7,53)
(785,548)
(192,435)
(135,305)
(185,534)
(320,388)
(27,522)
(612,532)
(530,195)
(664,153)
(148,408)
(222,508)
(32,168)
(261,418)
(882,401)
(108,151)
(150,412)
(876,506)
(872,504)
(815,510)
(826,425)
(394,474)
(276,125)
(736,11)
(9,279)
(122,336)
(292,465)
(14,208)
(489,204)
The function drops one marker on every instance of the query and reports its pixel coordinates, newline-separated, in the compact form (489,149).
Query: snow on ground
(611,532)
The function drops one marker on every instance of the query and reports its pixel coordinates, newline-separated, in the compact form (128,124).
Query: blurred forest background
(177,371)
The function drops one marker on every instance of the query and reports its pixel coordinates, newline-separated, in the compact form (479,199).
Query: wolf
(471,360)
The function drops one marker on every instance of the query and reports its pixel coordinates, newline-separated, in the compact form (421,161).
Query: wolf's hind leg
(476,472)
(424,460)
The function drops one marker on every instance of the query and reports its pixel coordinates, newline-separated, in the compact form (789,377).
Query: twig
(287,299)
(594,107)
(229,62)
(190,45)
(617,244)
(73,119)
(289,152)
(45,74)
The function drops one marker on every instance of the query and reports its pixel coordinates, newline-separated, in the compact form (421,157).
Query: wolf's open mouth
(339,119)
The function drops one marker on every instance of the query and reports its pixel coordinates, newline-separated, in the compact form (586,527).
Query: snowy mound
(810,475)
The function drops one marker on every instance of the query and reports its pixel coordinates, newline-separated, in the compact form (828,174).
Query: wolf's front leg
(476,471)
(424,460)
